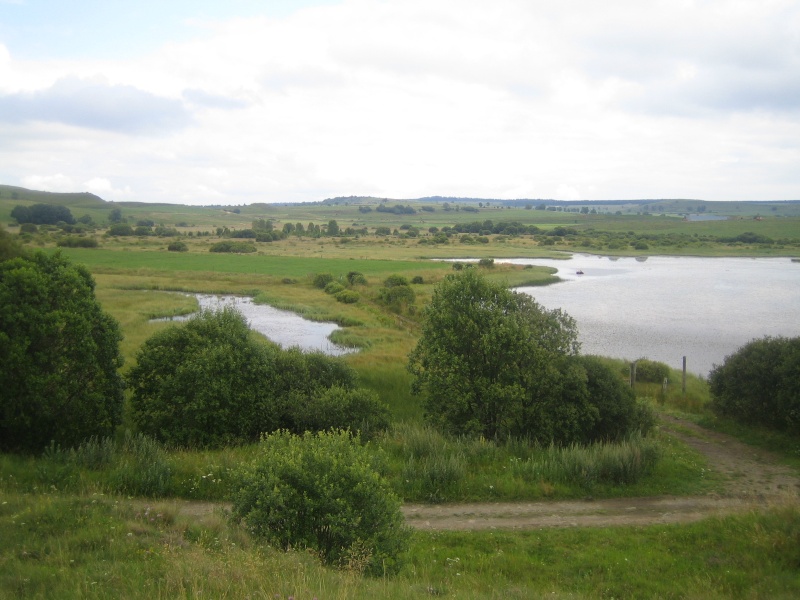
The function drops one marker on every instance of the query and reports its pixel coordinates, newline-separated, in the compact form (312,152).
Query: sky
(209,102)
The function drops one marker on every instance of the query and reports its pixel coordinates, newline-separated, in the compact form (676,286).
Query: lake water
(664,307)
(283,327)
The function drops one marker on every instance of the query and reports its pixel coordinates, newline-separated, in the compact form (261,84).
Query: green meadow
(70,529)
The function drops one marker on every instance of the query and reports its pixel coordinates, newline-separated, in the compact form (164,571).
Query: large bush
(42,214)
(760,384)
(323,492)
(59,355)
(209,383)
(495,363)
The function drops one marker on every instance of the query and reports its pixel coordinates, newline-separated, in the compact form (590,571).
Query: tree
(324,492)
(760,384)
(493,362)
(486,357)
(210,383)
(115,216)
(59,355)
(333,227)
(42,214)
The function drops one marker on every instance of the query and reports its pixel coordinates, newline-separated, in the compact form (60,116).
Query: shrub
(205,383)
(348,297)
(651,371)
(321,280)
(417,279)
(334,287)
(235,247)
(760,384)
(120,229)
(28,228)
(177,246)
(323,492)
(356,278)
(487,263)
(342,408)
(397,297)
(395,280)
(59,355)
(74,241)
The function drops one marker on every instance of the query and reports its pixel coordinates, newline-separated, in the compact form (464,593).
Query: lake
(283,327)
(666,307)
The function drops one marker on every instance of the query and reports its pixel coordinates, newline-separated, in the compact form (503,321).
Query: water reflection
(669,307)
(283,327)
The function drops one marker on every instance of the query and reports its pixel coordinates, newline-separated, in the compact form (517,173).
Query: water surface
(283,327)
(666,307)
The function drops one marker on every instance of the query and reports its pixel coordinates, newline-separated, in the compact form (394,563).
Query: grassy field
(71,531)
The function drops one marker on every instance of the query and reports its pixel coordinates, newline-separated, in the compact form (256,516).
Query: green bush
(348,297)
(74,241)
(395,280)
(651,371)
(120,229)
(59,356)
(235,247)
(321,280)
(209,383)
(28,228)
(356,278)
(323,492)
(177,246)
(334,287)
(760,384)
(206,383)
(417,279)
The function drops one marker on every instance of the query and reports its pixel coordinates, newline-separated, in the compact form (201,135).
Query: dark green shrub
(397,297)
(120,229)
(348,297)
(323,492)
(395,280)
(356,278)
(760,384)
(177,246)
(28,228)
(74,241)
(651,371)
(321,280)
(334,287)
(486,263)
(142,231)
(206,383)
(417,279)
(341,408)
(235,247)
(59,356)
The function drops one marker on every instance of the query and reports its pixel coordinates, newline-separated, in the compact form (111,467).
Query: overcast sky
(205,101)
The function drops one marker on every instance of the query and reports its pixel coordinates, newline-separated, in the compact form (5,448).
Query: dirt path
(753,479)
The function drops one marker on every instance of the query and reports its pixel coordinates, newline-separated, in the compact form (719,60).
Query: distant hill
(70,199)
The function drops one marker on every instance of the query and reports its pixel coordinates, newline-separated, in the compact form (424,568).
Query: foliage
(209,383)
(323,492)
(321,280)
(120,229)
(177,246)
(74,241)
(348,296)
(486,359)
(9,247)
(651,371)
(59,355)
(206,383)
(760,384)
(42,214)
(235,247)
(356,278)
(334,287)
(495,363)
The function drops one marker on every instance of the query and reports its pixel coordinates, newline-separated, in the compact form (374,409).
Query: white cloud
(518,98)
(57,182)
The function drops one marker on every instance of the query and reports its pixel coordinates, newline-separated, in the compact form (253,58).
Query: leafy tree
(41,214)
(760,384)
(333,227)
(115,216)
(9,247)
(59,355)
(324,492)
(209,382)
(205,384)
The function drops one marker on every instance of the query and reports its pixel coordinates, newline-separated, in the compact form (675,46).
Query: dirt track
(753,479)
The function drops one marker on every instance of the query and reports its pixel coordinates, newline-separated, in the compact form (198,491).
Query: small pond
(283,327)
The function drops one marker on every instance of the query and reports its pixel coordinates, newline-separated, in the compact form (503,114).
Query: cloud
(104,188)
(49,183)
(95,104)
(208,100)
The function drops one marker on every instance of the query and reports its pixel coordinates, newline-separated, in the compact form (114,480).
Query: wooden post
(684,376)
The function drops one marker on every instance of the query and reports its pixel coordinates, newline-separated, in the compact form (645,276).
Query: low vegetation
(96,515)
